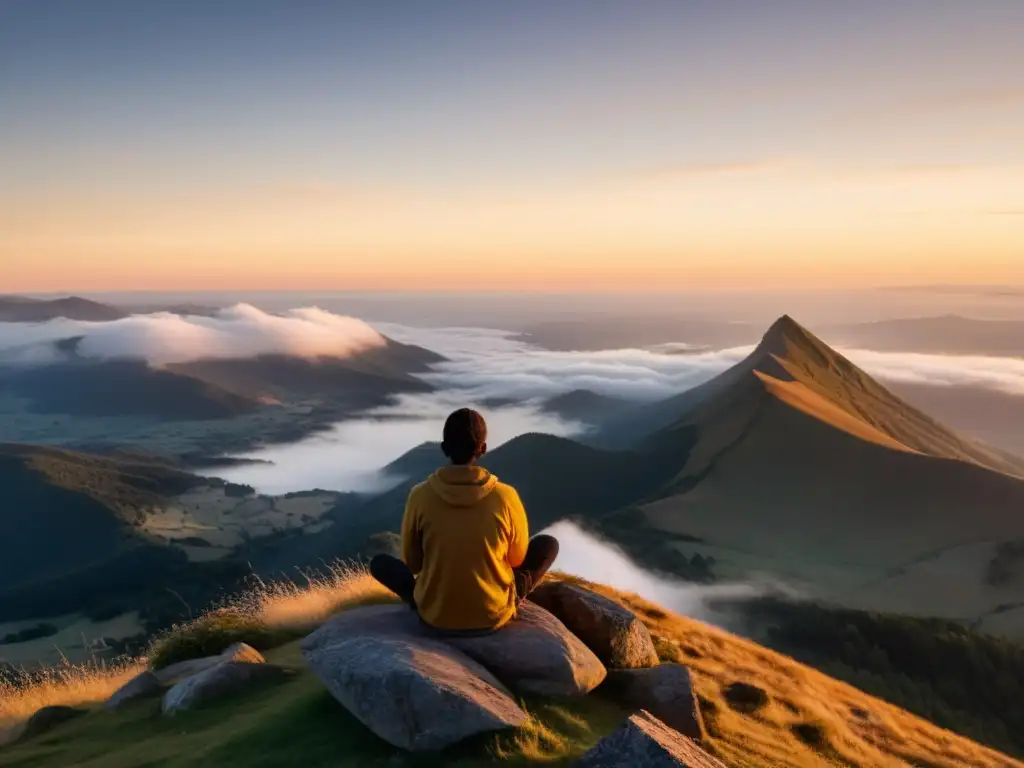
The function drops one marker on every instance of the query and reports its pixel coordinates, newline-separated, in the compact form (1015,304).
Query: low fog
(350,456)
(587,556)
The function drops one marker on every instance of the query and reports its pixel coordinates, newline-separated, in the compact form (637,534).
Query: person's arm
(412,542)
(519,530)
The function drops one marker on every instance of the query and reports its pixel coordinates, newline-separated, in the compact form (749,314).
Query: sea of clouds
(482,362)
(494,363)
(506,376)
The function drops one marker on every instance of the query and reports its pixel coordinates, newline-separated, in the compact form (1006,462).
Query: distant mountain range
(614,332)
(21,309)
(944,334)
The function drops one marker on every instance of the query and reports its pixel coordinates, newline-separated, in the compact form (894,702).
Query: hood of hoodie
(462,486)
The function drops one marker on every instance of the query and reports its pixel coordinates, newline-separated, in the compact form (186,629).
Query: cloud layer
(350,456)
(491,363)
(162,338)
(587,556)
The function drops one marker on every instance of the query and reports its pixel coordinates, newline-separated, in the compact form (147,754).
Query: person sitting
(467,557)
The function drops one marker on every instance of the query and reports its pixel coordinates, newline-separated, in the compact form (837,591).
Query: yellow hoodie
(462,535)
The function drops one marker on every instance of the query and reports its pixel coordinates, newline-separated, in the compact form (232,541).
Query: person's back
(463,533)
(467,552)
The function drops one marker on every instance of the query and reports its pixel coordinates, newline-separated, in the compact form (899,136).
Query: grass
(271,614)
(808,719)
(295,723)
(68,685)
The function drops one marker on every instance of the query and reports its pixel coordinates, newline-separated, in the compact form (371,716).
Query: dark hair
(465,436)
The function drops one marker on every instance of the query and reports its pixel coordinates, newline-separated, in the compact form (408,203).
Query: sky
(582,145)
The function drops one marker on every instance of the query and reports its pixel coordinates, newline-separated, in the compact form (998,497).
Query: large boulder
(646,742)
(617,635)
(142,686)
(240,653)
(535,653)
(47,718)
(412,690)
(665,691)
(224,679)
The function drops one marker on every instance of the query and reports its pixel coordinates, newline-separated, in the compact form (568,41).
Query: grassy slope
(77,545)
(119,388)
(298,723)
(72,511)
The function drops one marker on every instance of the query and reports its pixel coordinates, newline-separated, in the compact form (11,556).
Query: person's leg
(540,554)
(395,575)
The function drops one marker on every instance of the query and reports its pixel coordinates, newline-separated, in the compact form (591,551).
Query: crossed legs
(540,554)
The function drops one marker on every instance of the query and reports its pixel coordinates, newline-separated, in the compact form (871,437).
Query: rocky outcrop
(412,690)
(535,653)
(224,679)
(47,718)
(239,652)
(646,742)
(664,691)
(142,686)
(614,633)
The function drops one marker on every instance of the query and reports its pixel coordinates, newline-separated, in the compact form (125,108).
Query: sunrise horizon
(259,147)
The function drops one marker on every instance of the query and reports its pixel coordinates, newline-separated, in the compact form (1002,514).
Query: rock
(664,691)
(646,742)
(47,718)
(239,652)
(142,686)
(412,690)
(535,653)
(396,619)
(224,679)
(617,635)
(745,698)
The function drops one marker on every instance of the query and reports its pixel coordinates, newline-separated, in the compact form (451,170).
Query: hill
(585,405)
(70,534)
(799,464)
(102,536)
(805,720)
(19,309)
(121,388)
(365,379)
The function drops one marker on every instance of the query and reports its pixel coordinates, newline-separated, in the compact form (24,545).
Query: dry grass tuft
(296,607)
(68,685)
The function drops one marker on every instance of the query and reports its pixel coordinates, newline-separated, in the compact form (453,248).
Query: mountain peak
(783,334)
